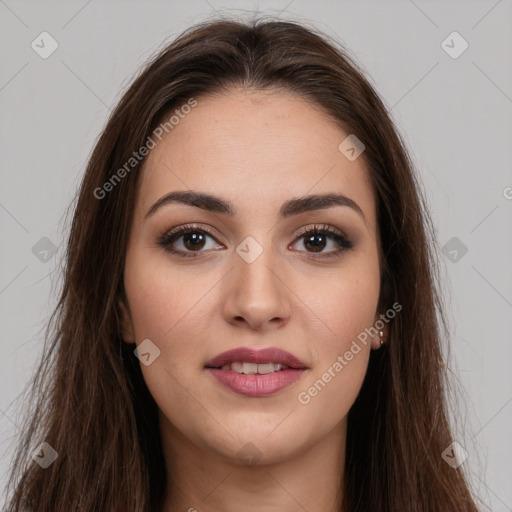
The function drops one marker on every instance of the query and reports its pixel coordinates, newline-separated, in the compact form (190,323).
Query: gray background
(454,114)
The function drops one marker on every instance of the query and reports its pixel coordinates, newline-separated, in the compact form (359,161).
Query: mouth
(256,373)
(254,368)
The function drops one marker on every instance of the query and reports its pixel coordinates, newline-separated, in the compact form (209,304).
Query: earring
(381,334)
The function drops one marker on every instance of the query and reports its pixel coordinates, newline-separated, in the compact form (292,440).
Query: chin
(260,442)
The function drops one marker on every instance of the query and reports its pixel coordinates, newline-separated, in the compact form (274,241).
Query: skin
(256,149)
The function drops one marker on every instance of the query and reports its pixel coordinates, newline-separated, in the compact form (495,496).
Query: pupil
(197,240)
(317,246)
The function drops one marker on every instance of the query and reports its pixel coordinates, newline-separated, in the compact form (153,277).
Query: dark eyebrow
(289,208)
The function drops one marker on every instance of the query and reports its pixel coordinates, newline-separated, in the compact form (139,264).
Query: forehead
(256,149)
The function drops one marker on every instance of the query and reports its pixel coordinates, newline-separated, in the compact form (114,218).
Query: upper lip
(251,355)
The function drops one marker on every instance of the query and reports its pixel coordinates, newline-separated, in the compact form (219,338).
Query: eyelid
(303,231)
(322,227)
(185,227)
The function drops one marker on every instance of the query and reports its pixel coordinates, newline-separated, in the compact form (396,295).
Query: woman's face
(249,278)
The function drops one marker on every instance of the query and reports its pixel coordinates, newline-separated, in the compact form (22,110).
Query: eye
(188,241)
(193,241)
(316,239)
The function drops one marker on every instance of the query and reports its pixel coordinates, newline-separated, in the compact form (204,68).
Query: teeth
(253,368)
(249,368)
(268,368)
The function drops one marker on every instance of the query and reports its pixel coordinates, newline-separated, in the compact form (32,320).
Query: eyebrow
(289,208)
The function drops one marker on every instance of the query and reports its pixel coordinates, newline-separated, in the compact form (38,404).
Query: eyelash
(344,244)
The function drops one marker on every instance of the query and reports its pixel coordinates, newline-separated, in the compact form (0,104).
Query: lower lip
(256,385)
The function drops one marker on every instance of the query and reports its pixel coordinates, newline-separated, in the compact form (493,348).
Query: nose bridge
(256,292)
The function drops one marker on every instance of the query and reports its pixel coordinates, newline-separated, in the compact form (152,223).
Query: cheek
(344,313)
(340,305)
(167,307)
(163,298)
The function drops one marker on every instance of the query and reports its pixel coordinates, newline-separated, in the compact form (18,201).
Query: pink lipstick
(256,373)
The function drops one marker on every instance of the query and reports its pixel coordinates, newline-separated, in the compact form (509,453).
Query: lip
(261,356)
(256,385)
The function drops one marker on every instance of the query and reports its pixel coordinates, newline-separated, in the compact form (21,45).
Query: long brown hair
(90,402)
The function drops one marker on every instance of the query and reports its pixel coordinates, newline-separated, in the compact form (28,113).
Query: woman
(249,316)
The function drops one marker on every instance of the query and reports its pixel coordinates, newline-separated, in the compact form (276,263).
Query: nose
(256,294)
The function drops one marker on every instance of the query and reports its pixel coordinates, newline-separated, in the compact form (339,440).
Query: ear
(381,325)
(127,331)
